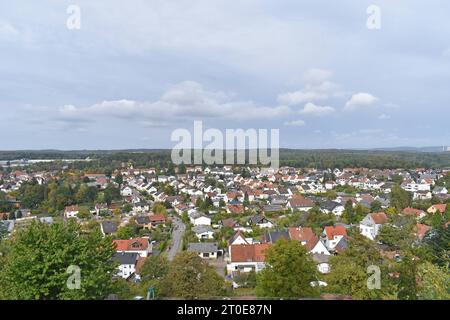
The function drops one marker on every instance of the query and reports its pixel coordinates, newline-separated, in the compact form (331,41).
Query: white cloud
(384,116)
(316,76)
(360,100)
(298,97)
(315,110)
(295,123)
(316,87)
(186,100)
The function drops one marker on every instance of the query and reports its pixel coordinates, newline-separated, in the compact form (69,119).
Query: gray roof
(202,229)
(125,257)
(109,227)
(273,208)
(259,218)
(143,219)
(203,247)
(329,205)
(342,245)
(273,236)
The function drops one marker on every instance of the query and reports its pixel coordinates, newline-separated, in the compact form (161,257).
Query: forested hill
(289,157)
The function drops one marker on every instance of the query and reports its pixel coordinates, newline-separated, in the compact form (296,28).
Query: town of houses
(253,206)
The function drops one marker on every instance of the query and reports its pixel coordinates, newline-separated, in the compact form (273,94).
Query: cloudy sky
(139,69)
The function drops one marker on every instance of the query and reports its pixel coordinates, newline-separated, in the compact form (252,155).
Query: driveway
(177,236)
(219,265)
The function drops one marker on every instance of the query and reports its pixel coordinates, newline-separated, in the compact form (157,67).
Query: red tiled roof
(304,235)
(379,217)
(157,218)
(412,212)
(300,201)
(236,208)
(249,253)
(136,244)
(72,208)
(421,230)
(440,207)
(301,234)
(332,231)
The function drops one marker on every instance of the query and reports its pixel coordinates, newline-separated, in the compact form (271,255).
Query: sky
(135,71)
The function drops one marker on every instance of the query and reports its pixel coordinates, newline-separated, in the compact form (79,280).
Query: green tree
(118,179)
(125,232)
(437,243)
(154,268)
(246,280)
(288,273)
(127,207)
(400,199)
(190,277)
(397,237)
(3,232)
(375,206)
(408,276)
(434,282)
(81,195)
(84,213)
(349,273)
(159,208)
(349,212)
(35,267)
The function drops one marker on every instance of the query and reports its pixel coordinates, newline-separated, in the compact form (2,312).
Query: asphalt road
(177,235)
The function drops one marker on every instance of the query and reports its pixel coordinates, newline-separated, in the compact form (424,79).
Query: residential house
(246,258)
(300,203)
(235,208)
(418,214)
(108,227)
(126,192)
(127,263)
(203,232)
(322,263)
(239,238)
(332,207)
(141,246)
(200,220)
(71,211)
(440,190)
(144,221)
(260,221)
(99,207)
(205,250)
(332,235)
(371,224)
(437,208)
(157,219)
(421,230)
(306,237)
(274,236)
